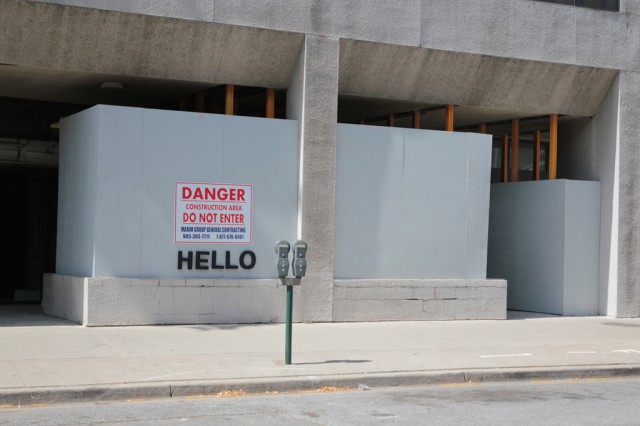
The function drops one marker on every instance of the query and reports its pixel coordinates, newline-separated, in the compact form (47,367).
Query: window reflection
(526,158)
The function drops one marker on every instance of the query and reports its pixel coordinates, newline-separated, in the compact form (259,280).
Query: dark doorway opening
(28,221)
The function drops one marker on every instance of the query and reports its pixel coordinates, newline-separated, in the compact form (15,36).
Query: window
(612,5)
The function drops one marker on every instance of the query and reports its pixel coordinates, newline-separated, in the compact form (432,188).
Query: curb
(120,392)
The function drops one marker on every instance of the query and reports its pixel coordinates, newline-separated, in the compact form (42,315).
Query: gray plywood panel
(405,204)
(544,240)
(582,248)
(138,156)
(368,201)
(77,194)
(119,192)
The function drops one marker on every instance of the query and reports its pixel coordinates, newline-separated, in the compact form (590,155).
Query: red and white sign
(212,213)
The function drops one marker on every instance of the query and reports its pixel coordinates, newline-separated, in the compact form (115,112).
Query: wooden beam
(416,119)
(553,146)
(448,126)
(200,102)
(482,128)
(505,158)
(536,154)
(271,103)
(392,120)
(515,150)
(228,99)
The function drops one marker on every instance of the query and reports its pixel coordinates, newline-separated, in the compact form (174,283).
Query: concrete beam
(83,39)
(532,30)
(199,10)
(312,99)
(609,40)
(522,29)
(507,28)
(630,6)
(435,76)
(396,22)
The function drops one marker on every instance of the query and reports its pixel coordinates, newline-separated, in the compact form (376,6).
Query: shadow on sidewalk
(335,361)
(29,316)
(523,315)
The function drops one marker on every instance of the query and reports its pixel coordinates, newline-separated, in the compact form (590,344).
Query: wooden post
(183,104)
(271,103)
(200,102)
(448,126)
(515,150)
(482,128)
(536,154)
(553,146)
(505,158)
(228,99)
(392,120)
(416,119)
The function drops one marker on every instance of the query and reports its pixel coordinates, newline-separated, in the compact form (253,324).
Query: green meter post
(299,265)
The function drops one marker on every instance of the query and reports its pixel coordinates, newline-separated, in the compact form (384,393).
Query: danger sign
(212,213)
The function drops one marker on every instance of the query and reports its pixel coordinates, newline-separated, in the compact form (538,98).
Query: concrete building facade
(507,68)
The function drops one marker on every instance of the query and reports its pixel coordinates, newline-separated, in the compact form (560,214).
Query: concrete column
(312,99)
(589,149)
(630,6)
(629,202)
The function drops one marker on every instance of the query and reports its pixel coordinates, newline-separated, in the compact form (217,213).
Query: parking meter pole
(299,265)
(287,340)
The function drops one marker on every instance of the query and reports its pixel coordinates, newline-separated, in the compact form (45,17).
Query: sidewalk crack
(106,343)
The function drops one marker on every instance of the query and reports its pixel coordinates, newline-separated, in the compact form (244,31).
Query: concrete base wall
(135,301)
(414,300)
(63,296)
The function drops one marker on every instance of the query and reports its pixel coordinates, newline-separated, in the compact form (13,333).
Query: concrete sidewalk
(46,359)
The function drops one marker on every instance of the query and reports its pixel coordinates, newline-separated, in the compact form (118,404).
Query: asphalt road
(584,402)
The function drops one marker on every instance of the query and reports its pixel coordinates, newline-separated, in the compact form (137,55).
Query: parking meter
(299,259)
(282,263)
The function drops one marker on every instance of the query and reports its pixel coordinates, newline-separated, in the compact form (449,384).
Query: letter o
(251,255)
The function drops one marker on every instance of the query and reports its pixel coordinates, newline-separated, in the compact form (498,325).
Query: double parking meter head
(299,263)
(282,250)
(299,259)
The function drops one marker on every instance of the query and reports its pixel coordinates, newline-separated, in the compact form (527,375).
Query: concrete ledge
(9,397)
(104,301)
(63,297)
(415,300)
(132,301)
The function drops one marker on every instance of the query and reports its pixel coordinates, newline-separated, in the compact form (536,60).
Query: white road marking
(503,355)
(628,351)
